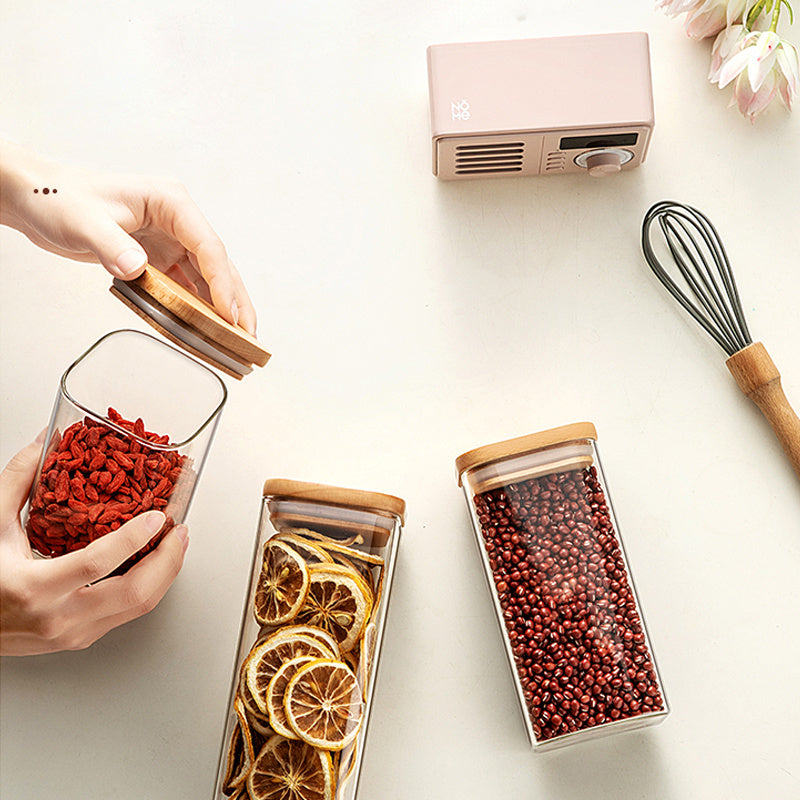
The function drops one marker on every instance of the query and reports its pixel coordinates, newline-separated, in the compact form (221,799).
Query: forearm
(18,175)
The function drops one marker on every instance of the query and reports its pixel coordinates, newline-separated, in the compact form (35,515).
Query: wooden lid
(335,495)
(523,444)
(190,322)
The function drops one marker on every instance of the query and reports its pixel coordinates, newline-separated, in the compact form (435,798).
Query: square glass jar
(309,641)
(561,586)
(130,431)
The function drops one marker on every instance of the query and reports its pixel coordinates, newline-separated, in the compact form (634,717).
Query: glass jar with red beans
(131,427)
(572,627)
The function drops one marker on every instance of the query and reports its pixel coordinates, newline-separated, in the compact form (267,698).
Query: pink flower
(705,18)
(762,64)
(725,45)
(673,8)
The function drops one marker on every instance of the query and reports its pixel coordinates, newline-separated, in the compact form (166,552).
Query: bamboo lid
(481,456)
(190,322)
(334,495)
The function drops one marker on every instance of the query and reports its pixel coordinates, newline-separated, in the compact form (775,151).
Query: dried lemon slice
(282,586)
(366,656)
(339,602)
(239,761)
(243,693)
(323,704)
(277,689)
(259,728)
(288,769)
(347,764)
(244,724)
(312,552)
(265,659)
(289,631)
(337,546)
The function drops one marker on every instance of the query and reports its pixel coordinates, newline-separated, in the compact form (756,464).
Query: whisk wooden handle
(759,379)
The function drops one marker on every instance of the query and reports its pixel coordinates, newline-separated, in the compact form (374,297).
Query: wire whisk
(708,292)
(702,262)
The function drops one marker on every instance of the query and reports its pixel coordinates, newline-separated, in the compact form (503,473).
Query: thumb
(102,556)
(118,252)
(16,480)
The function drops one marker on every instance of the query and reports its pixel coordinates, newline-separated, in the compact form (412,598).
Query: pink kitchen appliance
(540,106)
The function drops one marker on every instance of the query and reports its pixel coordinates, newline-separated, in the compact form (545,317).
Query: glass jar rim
(520,445)
(106,421)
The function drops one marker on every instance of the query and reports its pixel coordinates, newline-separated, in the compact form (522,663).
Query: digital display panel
(599,140)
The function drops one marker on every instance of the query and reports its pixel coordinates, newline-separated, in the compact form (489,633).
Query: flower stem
(755,13)
(776,12)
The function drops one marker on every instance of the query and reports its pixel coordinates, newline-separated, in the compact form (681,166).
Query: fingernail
(154,520)
(235,312)
(183,535)
(130,261)
(41,437)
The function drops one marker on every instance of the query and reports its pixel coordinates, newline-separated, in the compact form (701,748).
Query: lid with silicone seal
(333,509)
(190,322)
(524,457)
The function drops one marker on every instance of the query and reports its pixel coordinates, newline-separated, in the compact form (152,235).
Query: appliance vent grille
(480,159)
(555,161)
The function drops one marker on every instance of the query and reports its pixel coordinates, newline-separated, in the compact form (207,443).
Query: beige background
(411,320)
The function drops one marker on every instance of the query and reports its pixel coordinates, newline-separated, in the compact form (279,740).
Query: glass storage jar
(130,430)
(561,586)
(309,641)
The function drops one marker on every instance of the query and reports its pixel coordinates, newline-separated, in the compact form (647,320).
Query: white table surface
(411,320)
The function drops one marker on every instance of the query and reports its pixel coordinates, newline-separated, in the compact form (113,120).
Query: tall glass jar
(309,641)
(561,586)
(130,430)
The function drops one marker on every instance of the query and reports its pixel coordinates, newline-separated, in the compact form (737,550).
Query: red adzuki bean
(94,479)
(568,607)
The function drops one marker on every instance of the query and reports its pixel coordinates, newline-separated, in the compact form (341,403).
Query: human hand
(122,221)
(47,605)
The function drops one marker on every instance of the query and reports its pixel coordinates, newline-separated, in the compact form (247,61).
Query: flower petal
(785,92)
(732,68)
(706,22)
(736,11)
(751,103)
(762,59)
(726,43)
(788,74)
(789,64)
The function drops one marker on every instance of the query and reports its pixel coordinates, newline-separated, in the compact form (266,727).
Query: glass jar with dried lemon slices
(309,643)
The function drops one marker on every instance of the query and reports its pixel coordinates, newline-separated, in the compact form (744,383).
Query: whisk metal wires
(709,292)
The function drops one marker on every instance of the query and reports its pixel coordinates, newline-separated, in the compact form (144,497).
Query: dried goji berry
(163,487)
(123,460)
(76,486)
(115,443)
(66,439)
(94,480)
(118,480)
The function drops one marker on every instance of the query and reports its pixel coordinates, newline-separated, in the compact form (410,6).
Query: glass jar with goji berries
(560,583)
(309,642)
(130,430)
